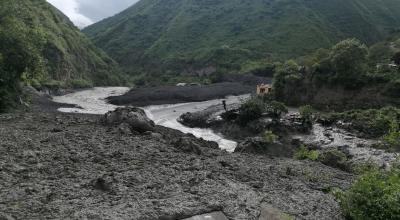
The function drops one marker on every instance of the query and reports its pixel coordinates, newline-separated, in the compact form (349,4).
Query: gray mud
(180,94)
(64,166)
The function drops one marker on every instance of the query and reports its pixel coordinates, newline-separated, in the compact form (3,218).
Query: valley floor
(55,165)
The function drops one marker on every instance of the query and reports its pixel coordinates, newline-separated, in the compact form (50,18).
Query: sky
(87,12)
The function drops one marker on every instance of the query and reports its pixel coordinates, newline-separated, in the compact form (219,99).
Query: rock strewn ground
(70,166)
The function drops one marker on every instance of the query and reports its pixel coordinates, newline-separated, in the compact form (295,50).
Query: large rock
(188,145)
(335,158)
(198,119)
(134,117)
(257,145)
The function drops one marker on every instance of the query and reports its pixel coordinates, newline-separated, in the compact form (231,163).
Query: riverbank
(180,94)
(56,165)
(356,150)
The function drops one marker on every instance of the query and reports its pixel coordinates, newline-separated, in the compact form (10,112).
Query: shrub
(334,158)
(306,113)
(393,88)
(35,84)
(53,84)
(251,110)
(303,153)
(276,109)
(269,137)
(81,84)
(349,60)
(393,137)
(20,60)
(266,70)
(374,196)
(374,122)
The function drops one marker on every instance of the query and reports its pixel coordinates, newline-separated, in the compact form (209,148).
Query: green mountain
(189,35)
(67,56)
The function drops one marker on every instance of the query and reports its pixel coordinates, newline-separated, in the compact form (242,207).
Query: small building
(264,89)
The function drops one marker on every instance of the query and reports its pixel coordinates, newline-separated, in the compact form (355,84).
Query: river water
(93,101)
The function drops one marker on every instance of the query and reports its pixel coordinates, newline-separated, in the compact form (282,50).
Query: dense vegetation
(347,76)
(39,46)
(187,36)
(19,59)
(372,122)
(257,106)
(374,196)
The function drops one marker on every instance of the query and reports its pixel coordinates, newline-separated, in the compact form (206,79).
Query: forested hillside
(199,36)
(39,46)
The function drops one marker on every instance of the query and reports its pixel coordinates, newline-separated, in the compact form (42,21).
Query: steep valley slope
(199,36)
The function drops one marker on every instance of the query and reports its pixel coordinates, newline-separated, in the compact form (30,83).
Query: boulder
(135,118)
(193,120)
(257,145)
(188,145)
(335,158)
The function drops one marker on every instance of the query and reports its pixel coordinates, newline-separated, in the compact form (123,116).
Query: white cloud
(71,9)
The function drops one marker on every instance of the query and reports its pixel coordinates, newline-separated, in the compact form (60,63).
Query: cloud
(71,9)
(85,12)
(100,9)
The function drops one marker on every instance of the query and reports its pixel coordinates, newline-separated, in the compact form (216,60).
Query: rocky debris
(209,216)
(357,150)
(155,135)
(270,213)
(257,145)
(6,217)
(193,120)
(134,117)
(209,117)
(89,172)
(187,145)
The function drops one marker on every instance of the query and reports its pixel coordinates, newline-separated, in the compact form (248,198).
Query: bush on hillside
(303,153)
(334,158)
(20,60)
(251,110)
(269,137)
(393,137)
(349,61)
(276,109)
(81,84)
(286,75)
(374,122)
(374,196)
(306,114)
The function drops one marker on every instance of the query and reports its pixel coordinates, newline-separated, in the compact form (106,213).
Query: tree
(349,60)
(276,109)
(306,113)
(20,60)
(288,72)
(251,110)
(396,58)
(373,196)
(393,137)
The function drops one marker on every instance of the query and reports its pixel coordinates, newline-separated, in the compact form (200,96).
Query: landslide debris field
(55,165)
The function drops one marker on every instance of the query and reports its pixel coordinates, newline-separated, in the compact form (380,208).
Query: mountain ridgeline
(201,36)
(65,55)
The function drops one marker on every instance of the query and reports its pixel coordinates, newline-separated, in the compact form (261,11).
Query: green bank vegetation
(40,47)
